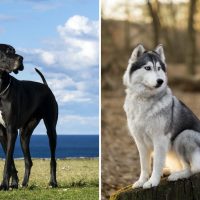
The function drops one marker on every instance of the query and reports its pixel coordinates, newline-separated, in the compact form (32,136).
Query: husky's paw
(151,183)
(173,177)
(179,175)
(138,184)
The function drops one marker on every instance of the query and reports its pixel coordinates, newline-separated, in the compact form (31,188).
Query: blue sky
(61,39)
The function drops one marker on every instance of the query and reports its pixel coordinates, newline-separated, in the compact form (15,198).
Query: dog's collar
(1,93)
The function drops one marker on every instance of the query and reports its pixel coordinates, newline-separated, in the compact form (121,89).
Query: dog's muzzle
(159,83)
(18,63)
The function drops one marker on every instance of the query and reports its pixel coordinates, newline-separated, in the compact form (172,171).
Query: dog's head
(146,70)
(9,60)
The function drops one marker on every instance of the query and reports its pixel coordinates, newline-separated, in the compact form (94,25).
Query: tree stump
(185,189)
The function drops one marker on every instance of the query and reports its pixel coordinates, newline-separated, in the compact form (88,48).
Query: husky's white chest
(136,112)
(1,119)
(145,118)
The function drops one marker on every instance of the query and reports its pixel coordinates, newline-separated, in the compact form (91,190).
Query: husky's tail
(42,76)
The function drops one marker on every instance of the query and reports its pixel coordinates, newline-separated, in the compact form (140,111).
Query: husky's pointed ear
(125,78)
(160,51)
(137,52)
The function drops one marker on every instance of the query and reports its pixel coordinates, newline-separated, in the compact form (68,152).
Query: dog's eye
(147,68)
(159,68)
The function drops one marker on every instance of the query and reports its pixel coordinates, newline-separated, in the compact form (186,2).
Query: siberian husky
(159,123)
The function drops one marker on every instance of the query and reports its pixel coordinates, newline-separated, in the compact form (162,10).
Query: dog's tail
(42,76)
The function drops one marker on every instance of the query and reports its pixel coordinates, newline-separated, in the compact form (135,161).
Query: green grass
(85,193)
(77,179)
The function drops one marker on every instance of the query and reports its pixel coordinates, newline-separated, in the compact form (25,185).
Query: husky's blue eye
(147,68)
(159,68)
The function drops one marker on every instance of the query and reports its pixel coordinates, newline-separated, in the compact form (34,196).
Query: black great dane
(22,105)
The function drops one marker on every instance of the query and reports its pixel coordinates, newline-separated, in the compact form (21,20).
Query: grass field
(77,180)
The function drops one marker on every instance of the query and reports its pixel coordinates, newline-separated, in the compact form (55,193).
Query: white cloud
(84,120)
(73,96)
(78,25)
(48,57)
(60,80)
(38,56)
(67,90)
(77,47)
(81,35)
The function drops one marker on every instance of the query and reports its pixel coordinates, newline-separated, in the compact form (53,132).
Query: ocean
(68,146)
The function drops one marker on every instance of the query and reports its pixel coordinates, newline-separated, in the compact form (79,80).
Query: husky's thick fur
(159,122)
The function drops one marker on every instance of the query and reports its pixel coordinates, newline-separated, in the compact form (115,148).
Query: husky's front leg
(160,152)
(145,165)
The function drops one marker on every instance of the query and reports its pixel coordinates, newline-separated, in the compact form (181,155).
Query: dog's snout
(20,58)
(159,82)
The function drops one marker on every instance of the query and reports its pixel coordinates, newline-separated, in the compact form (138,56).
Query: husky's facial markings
(146,70)
(158,121)
(148,57)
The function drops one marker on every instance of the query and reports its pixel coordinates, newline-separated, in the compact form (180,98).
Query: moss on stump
(185,189)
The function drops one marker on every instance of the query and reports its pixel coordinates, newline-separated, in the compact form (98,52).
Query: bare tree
(153,11)
(192,52)
(127,25)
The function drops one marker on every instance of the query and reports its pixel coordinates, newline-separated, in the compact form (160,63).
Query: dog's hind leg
(185,173)
(50,123)
(25,136)
(3,140)
(195,162)
(187,146)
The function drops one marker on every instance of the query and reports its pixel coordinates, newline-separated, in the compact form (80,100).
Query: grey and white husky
(159,123)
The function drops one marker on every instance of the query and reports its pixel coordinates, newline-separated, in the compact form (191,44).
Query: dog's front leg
(145,164)
(11,138)
(160,152)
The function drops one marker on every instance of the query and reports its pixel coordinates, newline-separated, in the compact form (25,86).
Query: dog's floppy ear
(137,52)
(160,51)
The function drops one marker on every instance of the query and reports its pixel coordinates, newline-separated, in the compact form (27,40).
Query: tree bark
(186,189)
(191,38)
(153,10)
(127,26)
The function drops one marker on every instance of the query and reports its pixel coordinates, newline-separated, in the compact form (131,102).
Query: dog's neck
(4,82)
(144,96)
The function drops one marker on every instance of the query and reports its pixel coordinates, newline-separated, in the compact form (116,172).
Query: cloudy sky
(60,37)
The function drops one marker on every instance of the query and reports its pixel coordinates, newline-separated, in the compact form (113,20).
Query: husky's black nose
(159,82)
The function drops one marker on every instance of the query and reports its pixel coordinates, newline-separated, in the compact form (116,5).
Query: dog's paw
(138,184)
(151,183)
(53,184)
(173,177)
(14,186)
(179,175)
(4,186)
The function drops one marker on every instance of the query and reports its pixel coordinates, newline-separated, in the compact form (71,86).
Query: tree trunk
(186,189)
(191,38)
(153,10)
(127,27)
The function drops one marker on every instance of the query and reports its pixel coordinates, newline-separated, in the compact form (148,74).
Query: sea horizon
(65,134)
(68,146)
